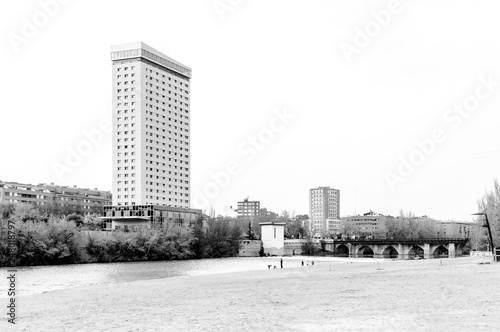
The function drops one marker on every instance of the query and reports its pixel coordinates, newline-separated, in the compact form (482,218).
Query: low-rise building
(370,223)
(273,237)
(334,226)
(135,217)
(71,199)
(454,229)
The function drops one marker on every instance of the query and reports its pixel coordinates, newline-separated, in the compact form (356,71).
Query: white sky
(352,120)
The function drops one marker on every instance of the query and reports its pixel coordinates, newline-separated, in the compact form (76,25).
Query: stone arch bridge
(395,249)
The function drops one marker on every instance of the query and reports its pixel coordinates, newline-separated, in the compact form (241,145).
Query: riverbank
(366,295)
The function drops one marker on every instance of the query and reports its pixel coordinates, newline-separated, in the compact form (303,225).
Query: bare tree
(490,204)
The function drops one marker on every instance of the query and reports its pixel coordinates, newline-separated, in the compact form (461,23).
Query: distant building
(454,229)
(334,226)
(324,207)
(370,223)
(71,199)
(248,209)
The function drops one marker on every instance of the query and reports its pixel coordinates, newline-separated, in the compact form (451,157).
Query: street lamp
(489,230)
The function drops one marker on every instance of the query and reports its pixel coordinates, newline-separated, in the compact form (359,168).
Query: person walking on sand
(302,263)
(281,262)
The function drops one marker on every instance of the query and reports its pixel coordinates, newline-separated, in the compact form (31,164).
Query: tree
(76,218)
(478,236)
(92,221)
(490,204)
(219,239)
(294,229)
(309,247)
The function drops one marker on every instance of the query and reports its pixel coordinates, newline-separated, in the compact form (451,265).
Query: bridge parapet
(396,248)
(400,241)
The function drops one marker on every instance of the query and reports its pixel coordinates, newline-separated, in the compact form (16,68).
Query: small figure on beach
(312,263)
(281,262)
(275,267)
(302,263)
(269,267)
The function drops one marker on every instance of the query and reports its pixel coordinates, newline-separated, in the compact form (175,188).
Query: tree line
(44,239)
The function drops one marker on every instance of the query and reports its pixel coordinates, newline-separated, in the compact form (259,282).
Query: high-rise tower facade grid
(151,127)
(324,206)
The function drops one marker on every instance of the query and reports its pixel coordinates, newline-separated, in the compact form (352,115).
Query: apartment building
(54,196)
(248,209)
(324,210)
(370,223)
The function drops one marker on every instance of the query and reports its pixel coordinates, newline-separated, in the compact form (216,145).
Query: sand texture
(460,295)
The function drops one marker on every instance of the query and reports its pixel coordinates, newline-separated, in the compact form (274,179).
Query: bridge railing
(402,241)
(381,256)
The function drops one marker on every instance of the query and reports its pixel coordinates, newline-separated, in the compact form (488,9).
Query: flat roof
(163,59)
(279,223)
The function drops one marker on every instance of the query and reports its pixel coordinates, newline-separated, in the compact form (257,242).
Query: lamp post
(489,230)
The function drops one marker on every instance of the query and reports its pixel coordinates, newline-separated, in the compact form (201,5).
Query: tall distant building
(151,140)
(248,209)
(151,137)
(324,210)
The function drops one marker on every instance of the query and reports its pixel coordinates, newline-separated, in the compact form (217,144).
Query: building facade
(324,210)
(273,237)
(454,229)
(368,224)
(70,199)
(136,217)
(151,140)
(248,209)
(151,127)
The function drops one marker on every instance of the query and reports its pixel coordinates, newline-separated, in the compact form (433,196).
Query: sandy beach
(333,295)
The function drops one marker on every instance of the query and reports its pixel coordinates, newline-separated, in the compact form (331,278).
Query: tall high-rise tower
(151,134)
(324,210)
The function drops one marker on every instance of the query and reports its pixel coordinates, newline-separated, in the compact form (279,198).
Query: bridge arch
(366,251)
(342,251)
(441,252)
(416,251)
(390,252)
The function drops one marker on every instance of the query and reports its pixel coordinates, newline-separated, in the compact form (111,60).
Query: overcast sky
(394,103)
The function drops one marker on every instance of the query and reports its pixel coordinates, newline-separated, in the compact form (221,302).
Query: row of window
(169,119)
(181,90)
(170,186)
(169,78)
(163,116)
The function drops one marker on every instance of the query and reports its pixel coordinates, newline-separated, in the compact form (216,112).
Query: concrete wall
(294,247)
(250,248)
(480,253)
